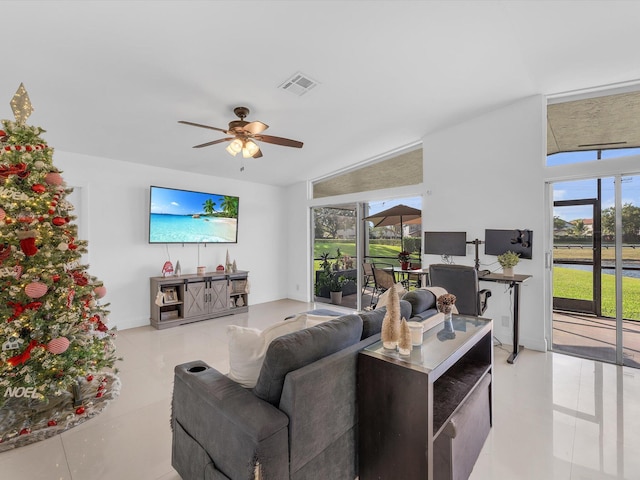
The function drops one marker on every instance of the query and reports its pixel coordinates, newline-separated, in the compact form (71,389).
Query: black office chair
(462,281)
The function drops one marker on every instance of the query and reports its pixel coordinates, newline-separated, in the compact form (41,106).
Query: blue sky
(375,207)
(181,202)
(587,188)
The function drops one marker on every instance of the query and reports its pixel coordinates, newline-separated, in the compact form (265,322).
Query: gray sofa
(298,423)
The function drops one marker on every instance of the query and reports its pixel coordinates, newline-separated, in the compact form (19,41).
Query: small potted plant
(507,261)
(404,258)
(336,282)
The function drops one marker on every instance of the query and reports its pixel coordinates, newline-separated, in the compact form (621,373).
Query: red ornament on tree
(35,289)
(58,345)
(53,178)
(79,410)
(39,188)
(28,242)
(100,291)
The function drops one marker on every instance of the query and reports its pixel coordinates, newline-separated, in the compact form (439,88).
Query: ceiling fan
(243,135)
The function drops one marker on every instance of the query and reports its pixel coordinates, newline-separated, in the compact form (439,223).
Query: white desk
(514,282)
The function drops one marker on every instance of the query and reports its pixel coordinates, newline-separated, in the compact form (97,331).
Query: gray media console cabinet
(426,416)
(192,298)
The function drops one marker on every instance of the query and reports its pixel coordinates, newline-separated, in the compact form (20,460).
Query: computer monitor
(497,242)
(445,243)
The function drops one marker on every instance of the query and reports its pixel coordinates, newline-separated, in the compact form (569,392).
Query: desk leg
(516,322)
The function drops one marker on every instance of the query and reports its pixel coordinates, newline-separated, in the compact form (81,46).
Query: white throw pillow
(247,347)
(313,320)
(384,298)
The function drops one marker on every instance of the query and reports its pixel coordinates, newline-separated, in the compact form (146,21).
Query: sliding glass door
(335,258)
(628,267)
(596,269)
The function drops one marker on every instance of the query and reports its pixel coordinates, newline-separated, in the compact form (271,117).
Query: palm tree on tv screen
(209,207)
(230,206)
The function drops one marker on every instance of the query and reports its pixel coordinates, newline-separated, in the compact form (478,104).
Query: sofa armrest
(229,423)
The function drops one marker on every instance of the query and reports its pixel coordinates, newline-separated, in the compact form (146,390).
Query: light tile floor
(556,417)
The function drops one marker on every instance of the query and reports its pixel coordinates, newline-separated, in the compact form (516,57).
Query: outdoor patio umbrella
(398,215)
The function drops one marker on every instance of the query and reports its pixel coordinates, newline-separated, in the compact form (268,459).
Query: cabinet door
(194,299)
(218,296)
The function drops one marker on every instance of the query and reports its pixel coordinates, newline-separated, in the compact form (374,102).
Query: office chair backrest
(460,280)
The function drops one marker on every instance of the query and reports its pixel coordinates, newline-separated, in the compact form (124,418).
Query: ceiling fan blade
(286,142)
(255,127)
(202,126)
(213,143)
(258,154)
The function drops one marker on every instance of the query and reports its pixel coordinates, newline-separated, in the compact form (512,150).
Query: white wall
(114,213)
(488,173)
(298,243)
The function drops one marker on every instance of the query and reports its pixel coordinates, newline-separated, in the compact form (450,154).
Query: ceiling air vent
(298,84)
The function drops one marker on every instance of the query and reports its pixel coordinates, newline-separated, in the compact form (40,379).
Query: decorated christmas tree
(57,352)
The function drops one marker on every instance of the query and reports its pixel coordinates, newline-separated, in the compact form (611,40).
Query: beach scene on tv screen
(181,216)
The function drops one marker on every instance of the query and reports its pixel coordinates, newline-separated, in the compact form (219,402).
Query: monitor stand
(477,243)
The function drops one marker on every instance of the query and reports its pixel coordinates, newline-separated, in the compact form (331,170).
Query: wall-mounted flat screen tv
(184,216)
(445,243)
(497,242)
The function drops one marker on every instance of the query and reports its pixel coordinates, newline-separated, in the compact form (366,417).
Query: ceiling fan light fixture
(250,149)
(235,147)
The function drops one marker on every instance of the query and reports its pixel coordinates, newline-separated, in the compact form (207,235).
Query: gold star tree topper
(21,104)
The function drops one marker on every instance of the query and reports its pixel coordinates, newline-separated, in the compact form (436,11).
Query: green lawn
(570,283)
(349,248)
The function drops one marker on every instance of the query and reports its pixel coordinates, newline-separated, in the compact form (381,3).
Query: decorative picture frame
(170,295)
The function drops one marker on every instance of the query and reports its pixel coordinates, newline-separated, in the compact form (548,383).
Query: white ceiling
(112,78)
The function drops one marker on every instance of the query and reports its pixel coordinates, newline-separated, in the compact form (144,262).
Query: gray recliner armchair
(462,281)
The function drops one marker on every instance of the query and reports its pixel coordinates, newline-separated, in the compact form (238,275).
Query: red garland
(24,356)
(18,148)
(19,308)
(19,169)
(102,327)
(79,278)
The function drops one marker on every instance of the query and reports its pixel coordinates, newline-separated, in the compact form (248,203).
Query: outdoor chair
(384,279)
(367,281)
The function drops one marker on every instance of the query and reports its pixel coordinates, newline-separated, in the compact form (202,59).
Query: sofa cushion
(372,319)
(247,348)
(297,349)
(313,319)
(421,300)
